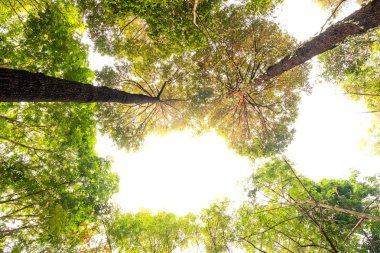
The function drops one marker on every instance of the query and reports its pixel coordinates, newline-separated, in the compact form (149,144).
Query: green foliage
(52,181)
(238,41)
(285,212)
(216,228)
(55,188)
(290,211)
(16,9)
(168,22)
(48,41)
(254,118)
(147,232)
(152,30)
(129,124)
(213,88)
(260,6)
(137,28)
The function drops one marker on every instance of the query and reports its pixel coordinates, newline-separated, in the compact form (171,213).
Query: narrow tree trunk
(359,22)
(24,86)
(342,210)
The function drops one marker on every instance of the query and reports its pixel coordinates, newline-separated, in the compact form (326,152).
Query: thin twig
(332,14)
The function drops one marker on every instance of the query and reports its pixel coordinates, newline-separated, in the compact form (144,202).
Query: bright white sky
(181,173)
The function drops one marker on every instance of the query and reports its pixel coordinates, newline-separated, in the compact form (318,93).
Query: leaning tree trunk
(359,22)
(346,211)
(24,86)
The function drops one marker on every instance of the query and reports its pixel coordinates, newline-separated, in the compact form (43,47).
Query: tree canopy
(285,212)
(148,232)
(202,64)
(218,83)
(149,29)
(295,213)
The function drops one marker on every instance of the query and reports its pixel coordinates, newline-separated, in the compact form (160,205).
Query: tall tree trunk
(359,22)
(24,86)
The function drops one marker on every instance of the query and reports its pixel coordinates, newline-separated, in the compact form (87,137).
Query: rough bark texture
(359,22)
(24,86)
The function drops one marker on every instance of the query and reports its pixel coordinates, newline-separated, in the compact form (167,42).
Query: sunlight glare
(330,131)
(178,172)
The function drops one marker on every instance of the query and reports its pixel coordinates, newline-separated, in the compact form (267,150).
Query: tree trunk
(359,22)
(342,210)
(24,86)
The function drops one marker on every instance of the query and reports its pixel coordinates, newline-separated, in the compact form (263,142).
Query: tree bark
(24,86)
(359,22)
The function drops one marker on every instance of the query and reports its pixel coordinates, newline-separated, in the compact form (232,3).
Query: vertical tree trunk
(357,23)
(24,86)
